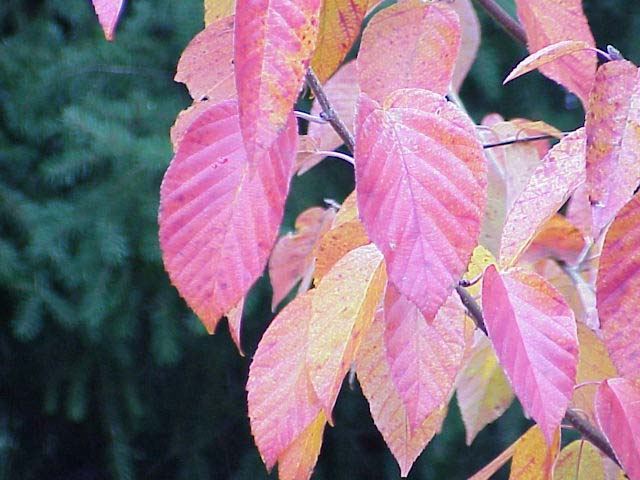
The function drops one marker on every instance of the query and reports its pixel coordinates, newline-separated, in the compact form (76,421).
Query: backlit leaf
(579,460)
(594,365)
(533,332)
(548,188)
(234,319)
(483,391)
(340,24)
(469,41)
(281,400)
(273,42)
(424,357)
(217,9)
(617,290)
(108,12)
(549,21)
(613,140)
(342,309)
(218,221)
(558,239)
(409,45)
(297,462)
(292,256)
(206,65)
(421,188)
(533,457)
(545,55)
(387,408)
(336,243)
(618,410)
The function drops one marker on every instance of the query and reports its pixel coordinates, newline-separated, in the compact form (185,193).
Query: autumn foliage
(470,259)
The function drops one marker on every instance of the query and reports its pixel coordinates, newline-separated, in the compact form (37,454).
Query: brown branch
(511,26)
(328,113)
(591,433)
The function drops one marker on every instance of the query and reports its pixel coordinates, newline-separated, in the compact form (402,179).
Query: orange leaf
(617,290)
(533,458)
(281,400)
(297,461)
(483,391)
(546,55)
(342,309)
(387,408)
(340,24)
(558,239)
(336,243)
(579,460)
(206,65)
(409,45)
(348,210)
(292,257)
(217,9)
(613,140)
(549,21)
(273,42)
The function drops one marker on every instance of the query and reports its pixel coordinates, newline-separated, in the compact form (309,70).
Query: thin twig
(328,112)
(505,20)
(511,141)
(310,118)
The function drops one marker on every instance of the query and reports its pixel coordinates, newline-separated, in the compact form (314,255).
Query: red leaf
(387,408)
(292,257)
(549,21)
(218,221)
(340,24)
(273,42)
(108,12)
(618,411)
(409,45)
(206,65)
(424,357)
(281,399)
(421,187)
(534,335)
(342,309)
(617,290)
(552,182)
(613,140)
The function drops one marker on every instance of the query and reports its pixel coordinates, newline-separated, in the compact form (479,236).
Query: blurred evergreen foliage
(104,373)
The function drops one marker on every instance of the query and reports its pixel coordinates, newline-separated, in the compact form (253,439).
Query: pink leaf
(549,21)
(218,220)
(292,257)
(424,357)
(281,400)
(613,140)
(387,408)
(206,65)
(617,290)
(469,41)
(108,12)
(553,181)
(234,319)
(409,45)
(421,188)
(618,411)
(273,42)
(534,335)
(546,55)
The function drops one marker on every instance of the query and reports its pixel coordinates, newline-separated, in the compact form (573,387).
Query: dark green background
(104,373)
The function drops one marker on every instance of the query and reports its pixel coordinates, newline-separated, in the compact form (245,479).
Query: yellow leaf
(297,461)
(216,9)
(533,459)
(579,460)
(481,258)
(342,309)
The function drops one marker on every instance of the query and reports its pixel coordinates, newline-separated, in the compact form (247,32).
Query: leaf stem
(510,25)
(511,141)
(310,118)
(339,155)
(328,112)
